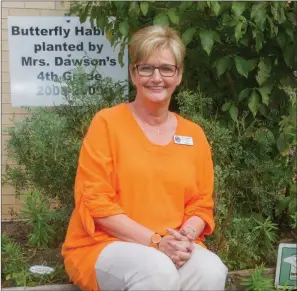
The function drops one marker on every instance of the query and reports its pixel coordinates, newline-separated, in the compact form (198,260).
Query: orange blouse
(121,171)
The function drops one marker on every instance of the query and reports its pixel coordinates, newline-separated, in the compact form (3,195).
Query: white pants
(129,266)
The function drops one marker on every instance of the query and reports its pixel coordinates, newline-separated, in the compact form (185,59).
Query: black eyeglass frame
(175,66)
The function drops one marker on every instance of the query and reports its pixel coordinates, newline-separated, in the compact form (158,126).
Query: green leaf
(257,216)
(108,34)
(254,102)
(290,33)
(243,94)
(84,13)
(277,12)
(259,14)
(174,18)
(265,92)
(233,112)
(243,66)
(161,19)
(289,54)
(282,144)
(144,7)
(273,28)
(124,28)
(240,30)
(8,277)
(259,40)
(200,5)
(134,9)
(223,64)
(292,17)
(282,204)
(188,35)
(93,16)
(101,20)
(264,71)
(282,17)
(263,109)
(270,136)
(252,63)
(216,36)
(215,7)
(244,41)
(226,106)
(282,40)
(207,40)
(238,7)
(183,6)
(228,20)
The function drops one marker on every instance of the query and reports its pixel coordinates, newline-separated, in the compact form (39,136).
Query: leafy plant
(38,214)
(248,177)
(286,204)
(14,262)
(45,146)
(265,232)
(237,52)
(257,282)
(15,266)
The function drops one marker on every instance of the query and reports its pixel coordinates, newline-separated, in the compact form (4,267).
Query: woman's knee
(214,276)
(163,275)
(216,269)
(127,266)
(212,266)
(204,271)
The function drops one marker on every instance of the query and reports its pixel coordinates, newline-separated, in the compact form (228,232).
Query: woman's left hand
(182,239)
(189,233)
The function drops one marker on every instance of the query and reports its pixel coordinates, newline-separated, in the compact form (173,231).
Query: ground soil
(18,232)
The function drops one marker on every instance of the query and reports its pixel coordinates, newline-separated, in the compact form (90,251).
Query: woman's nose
(156,75)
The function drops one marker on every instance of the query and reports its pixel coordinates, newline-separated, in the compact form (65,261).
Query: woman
(144,183)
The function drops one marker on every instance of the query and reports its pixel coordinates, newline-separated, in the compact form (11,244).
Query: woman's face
(156,88)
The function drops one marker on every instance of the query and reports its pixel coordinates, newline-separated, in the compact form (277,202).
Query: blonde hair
(151,39)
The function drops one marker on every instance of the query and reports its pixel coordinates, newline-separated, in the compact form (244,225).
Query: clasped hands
(178,245)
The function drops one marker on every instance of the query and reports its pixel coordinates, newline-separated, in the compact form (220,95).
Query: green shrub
(238,52)
(257,282)
(45,146)
(249,175)
(38,215)
(14,262)
(15,266)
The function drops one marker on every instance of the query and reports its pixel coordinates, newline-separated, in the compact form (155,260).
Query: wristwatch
(155,240)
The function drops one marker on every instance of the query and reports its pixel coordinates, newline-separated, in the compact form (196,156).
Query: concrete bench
(233,282)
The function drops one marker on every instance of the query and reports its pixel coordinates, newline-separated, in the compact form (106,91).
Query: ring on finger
(192,230)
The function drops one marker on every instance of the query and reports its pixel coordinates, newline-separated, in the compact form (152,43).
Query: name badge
(185,140)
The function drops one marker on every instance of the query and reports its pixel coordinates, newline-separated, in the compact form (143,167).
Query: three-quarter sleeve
(201,203)
(95,194)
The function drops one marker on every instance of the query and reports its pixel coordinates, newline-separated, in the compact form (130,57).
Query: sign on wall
(45,49)
(286,269)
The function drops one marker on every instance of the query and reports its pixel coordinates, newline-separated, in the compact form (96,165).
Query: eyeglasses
(148,70)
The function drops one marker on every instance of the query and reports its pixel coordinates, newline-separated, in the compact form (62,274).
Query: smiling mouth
(155,87)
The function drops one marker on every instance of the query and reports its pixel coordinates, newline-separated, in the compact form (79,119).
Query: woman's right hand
(178,251)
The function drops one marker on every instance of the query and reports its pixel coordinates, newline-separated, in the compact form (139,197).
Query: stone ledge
(59,287)
(235,278)
(233,282)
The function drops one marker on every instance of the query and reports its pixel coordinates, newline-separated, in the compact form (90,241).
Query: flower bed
(58,281)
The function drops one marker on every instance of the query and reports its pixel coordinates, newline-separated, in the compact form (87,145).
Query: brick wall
(14,8)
